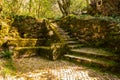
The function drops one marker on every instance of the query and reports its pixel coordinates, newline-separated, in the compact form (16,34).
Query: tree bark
(30,6)
(64,6)
(105,7)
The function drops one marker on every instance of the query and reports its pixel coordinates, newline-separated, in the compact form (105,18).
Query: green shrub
(6,54)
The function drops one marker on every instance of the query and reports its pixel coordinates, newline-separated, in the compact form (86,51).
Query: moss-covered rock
(4,30)
(24,52)
(20,42)
(56,51)
(28,27)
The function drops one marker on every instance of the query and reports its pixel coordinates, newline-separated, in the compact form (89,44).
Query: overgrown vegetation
(7,67)
(6,54)
(41,8)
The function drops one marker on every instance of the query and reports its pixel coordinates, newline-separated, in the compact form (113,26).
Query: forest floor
(37,68)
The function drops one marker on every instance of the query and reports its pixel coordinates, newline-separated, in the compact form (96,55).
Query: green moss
(28,26)
(29,51)
(23,42)
(40,47)
(4,32)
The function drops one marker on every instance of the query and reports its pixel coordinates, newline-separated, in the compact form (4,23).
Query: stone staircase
(90,57)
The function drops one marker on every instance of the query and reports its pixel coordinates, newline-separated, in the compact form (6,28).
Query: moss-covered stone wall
(93,31)
(28,27)
(4,32)
(27,36)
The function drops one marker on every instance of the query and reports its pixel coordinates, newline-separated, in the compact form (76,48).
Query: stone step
(74,46)
(24,42)
(28,51)
(70,39)
(60,30)
(40,47)
(22,39)
(66,38)
(72,42)
(90,61)
(64,33)
(98,53)
(82,36)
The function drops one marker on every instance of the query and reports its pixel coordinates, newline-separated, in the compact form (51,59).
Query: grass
(6,54)
(7,63)
(7,67)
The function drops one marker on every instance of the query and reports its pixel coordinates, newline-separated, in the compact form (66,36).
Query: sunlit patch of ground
(37,68)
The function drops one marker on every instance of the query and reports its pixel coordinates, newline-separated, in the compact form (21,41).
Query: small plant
(6,54)
(8,67)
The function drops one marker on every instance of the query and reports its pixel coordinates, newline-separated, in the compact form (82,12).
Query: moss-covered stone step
(74,46)
(82,36)
(52,52)
(65,36)
(90,61)
(40,47)
(28,51)
(70,39)
(72,42)
(93,52)
(65,33)
(60,30)
(24,42)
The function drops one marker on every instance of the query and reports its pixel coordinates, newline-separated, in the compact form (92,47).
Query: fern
(6,54)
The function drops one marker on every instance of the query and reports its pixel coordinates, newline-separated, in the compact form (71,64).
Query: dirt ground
(37,68)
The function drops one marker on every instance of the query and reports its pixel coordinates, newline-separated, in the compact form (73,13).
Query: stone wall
(4,32)
(28,27)
(94,32)
(27,36)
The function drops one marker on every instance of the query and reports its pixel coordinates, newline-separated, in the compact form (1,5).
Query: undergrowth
(7,67)
(6,54)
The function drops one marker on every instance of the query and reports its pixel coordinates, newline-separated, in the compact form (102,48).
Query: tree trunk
(30,6)
(64,6)
(105,7)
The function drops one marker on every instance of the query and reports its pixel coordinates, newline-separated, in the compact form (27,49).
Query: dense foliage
(40,8)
